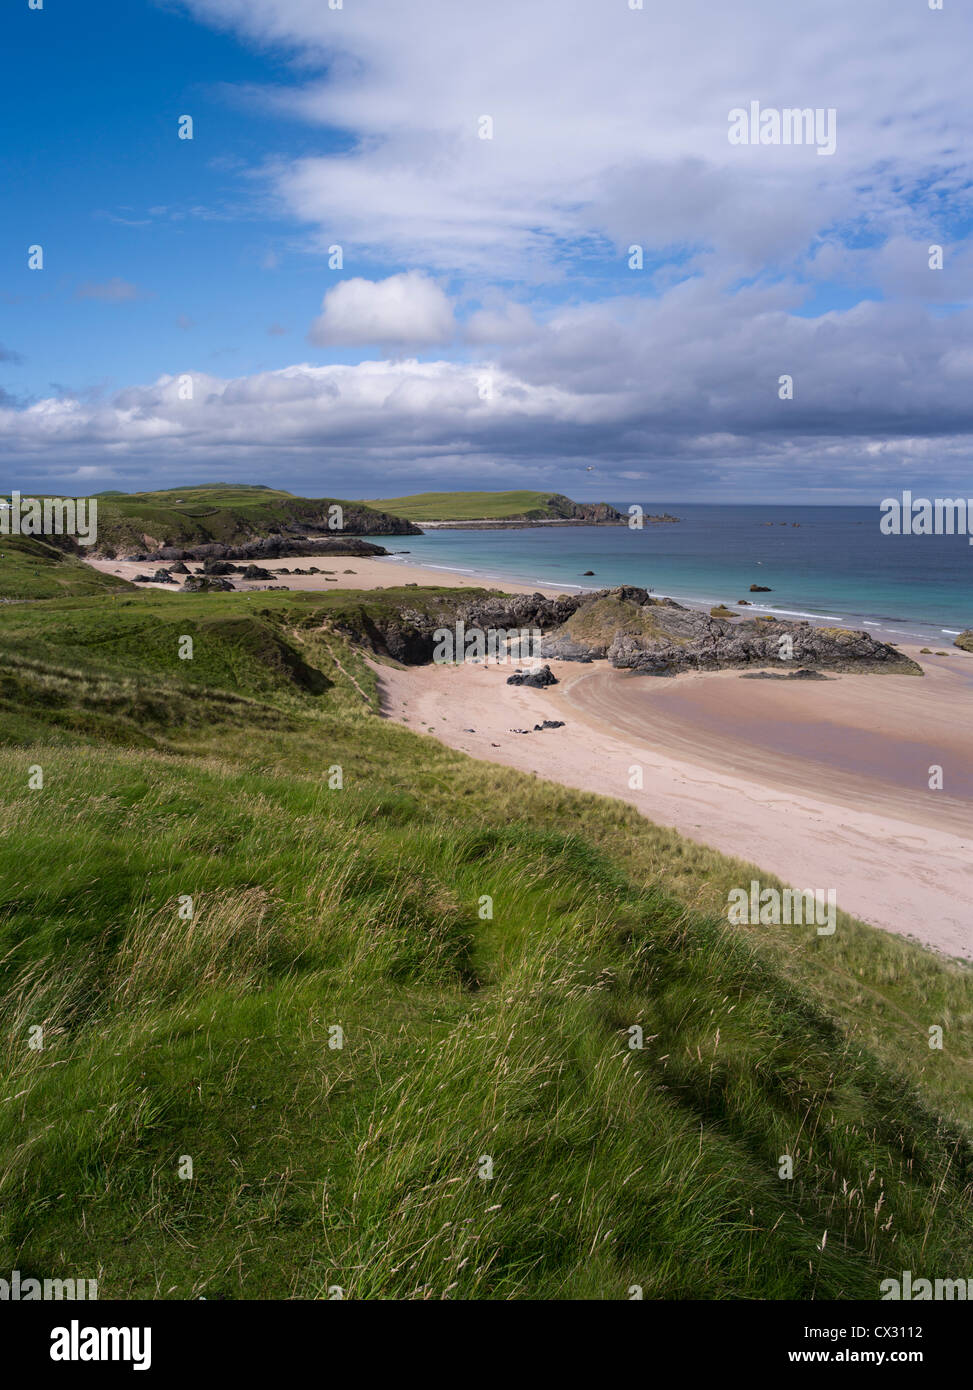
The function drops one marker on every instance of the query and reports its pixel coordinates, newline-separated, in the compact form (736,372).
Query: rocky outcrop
(760,589)
(557,510)
(267,548)
(965,641)
(593,513)
(206,584)
(626,625)
(406,630)
(636,632)
(160,577)
(702,643)
(802,675)
(538,679)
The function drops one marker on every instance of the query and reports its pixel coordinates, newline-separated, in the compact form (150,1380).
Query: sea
(829,565)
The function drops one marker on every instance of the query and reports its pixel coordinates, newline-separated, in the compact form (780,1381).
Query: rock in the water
(965,641)
(760,589)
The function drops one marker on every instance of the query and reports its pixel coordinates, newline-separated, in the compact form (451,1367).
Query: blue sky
(94,172)
(485,328)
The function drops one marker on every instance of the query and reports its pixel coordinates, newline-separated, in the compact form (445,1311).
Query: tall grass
(486,944)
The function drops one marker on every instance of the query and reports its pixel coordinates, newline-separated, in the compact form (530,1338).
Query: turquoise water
(835,565)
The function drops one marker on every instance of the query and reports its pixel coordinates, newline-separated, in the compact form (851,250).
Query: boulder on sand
(540,678)
(965,641)
(206,584)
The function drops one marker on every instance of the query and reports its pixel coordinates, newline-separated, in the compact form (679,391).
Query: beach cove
(821,783)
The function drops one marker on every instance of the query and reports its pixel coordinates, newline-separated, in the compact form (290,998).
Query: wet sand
(868,741)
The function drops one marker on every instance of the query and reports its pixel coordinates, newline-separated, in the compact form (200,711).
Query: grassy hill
(222,512)
(465,1035)
(33,569)
(479,506)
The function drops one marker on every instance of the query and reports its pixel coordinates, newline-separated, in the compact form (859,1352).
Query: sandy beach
(341,572)
(824,784)
(899,857)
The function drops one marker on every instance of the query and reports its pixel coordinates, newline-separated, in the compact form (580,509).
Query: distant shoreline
(499,524)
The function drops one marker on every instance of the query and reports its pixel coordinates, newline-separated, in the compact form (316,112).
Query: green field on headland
(481,506)
(224,513)
(382,996)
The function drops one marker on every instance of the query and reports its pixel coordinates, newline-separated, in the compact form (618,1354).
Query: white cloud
(609,122)
(503,323)
(682,387)
(408,310)
(610,128)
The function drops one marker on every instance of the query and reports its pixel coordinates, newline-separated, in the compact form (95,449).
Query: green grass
(222,512)
(469,506)
(31,568)
(599,621)
(466,1035)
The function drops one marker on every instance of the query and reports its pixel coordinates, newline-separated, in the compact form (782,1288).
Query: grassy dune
(466,1036)
(31,568)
